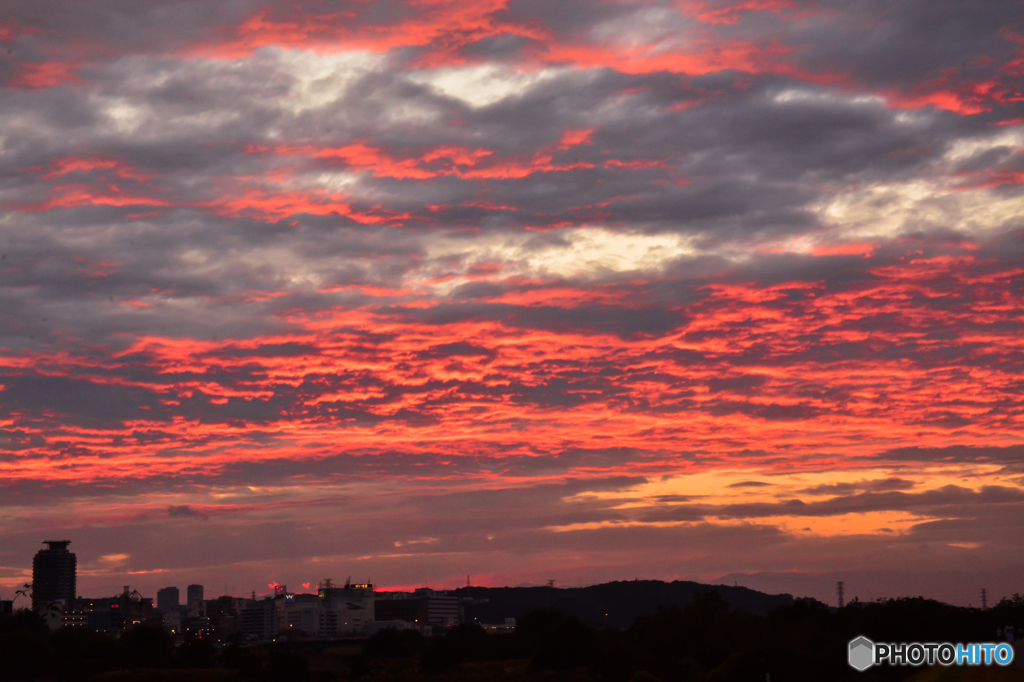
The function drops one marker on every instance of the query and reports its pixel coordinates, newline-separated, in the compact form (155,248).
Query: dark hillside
(622,601)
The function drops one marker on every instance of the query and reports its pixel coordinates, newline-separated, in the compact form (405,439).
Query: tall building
(53,574)
(168,599)
(194,594)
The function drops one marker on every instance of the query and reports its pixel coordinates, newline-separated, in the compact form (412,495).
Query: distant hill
(623,601)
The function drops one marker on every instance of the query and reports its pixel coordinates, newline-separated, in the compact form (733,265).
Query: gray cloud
(184,511)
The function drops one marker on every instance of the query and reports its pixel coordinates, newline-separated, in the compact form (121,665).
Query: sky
(425,291)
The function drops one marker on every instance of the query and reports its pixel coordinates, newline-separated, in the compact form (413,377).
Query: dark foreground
(706,641)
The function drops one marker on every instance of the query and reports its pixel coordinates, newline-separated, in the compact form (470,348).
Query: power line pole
(839,593)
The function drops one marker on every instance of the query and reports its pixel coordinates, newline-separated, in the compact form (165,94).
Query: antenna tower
(839,593)
(984,599)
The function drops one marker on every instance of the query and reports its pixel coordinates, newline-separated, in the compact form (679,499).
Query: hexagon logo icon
(862,653)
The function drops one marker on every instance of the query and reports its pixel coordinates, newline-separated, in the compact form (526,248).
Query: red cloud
(46,75)
(789,369)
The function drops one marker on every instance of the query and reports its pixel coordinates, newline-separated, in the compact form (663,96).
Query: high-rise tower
(167,599)
(53,574)
(194,593)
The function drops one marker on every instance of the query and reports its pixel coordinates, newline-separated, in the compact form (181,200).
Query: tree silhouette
(25,591)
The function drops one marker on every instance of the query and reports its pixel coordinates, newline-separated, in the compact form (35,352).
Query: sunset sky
(727,291)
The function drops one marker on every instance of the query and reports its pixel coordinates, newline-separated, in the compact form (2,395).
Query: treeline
(30,651)
(704,641)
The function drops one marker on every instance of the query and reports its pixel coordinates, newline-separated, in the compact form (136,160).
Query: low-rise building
(258,619)
(508,626)
(423,607)
(345,610)
(116,614)
(171,621)
(298,615)
(374,626)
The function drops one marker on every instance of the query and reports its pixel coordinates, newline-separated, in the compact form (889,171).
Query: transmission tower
(984,599)
(839,593)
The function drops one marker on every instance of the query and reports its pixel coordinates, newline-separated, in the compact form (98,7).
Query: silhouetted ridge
(623,601)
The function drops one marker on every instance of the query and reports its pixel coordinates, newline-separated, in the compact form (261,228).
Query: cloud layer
(515,289)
